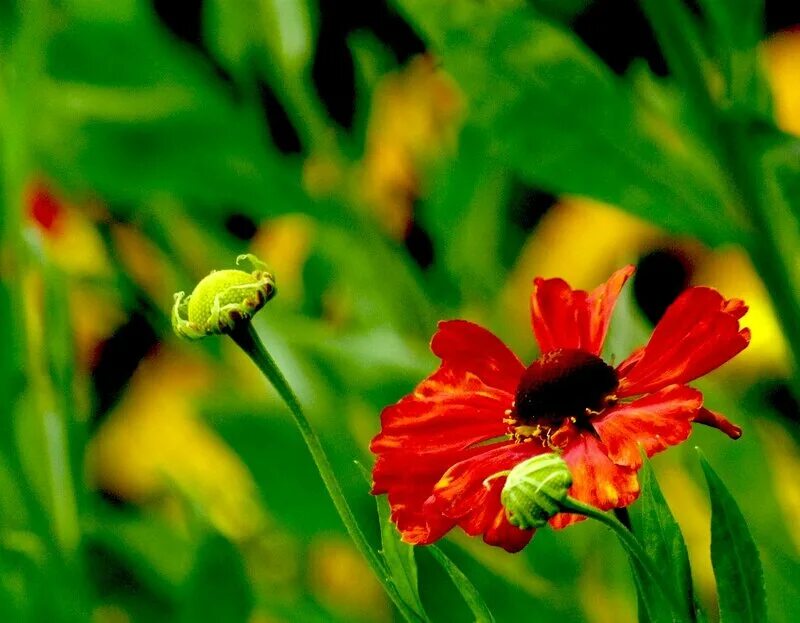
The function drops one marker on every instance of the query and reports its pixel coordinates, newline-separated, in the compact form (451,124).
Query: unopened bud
(535,490)
(222,300)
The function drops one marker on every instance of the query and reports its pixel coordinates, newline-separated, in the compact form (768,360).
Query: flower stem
(633,547)
(247,339)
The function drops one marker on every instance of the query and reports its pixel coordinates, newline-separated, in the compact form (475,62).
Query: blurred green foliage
(144,480)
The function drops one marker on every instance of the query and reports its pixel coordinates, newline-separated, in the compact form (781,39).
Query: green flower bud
(222,300)
(535,490)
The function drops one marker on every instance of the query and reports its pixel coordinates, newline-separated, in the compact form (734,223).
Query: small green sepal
(222,300)
(536,490)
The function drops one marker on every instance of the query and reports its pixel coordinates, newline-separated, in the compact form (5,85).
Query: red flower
(44,207)
(483,411)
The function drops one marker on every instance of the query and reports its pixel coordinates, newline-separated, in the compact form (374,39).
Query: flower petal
(601,306)
(448,411)
(698,333)
(555,313)
(567,318)
(423,435)
(499,531)
(469,492)
(653,422)
(408,484)
(596,480)
(717,420)
(463,345)
(445,420)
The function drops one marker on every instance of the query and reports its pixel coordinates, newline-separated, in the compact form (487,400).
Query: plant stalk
(247,339)
(633,547)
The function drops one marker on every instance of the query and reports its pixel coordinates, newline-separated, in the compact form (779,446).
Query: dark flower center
(563,383)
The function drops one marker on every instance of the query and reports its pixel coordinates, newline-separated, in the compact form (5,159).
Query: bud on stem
(222,300)
(535,490)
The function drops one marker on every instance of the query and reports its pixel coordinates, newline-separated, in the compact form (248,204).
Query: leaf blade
(399,557)
(619,150)
(662,538)
(467,589)
(734,556)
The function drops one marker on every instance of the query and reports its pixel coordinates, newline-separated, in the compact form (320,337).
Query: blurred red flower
(43,206)
(483,411)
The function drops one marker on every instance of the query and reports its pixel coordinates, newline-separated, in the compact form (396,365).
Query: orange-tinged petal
(463,345)
(601,306)
(447,419)
(697,334)
(653,422)
(567,318)
(469,492)
(717,420)
(596,480)
(464,486)
(463,411)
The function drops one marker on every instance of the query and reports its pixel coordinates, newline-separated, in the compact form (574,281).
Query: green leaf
(737,567)
(678,33)
(562,10)
(150,121)
(152,550)
(239,32)
(736,28)
(528,82)
(218,587)
(399,557)
(467,589)
(662,538)
(654,606)
(464,213)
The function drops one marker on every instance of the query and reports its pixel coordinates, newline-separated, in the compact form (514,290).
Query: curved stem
(632,546)
(247,339)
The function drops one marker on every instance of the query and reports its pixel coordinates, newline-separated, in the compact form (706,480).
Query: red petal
(601,305)
(442,422)
(425,434)
(462,345)
(463,411)
(653,422)
(408,484)
(567,318)
(716,420)
(555,309)
(44,207)
(698,333)
(627,365)
(468,494)
(503,534)
(596,480)
(462,489)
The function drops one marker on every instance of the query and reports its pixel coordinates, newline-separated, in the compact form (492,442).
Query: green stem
(633,547)
(247,339)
